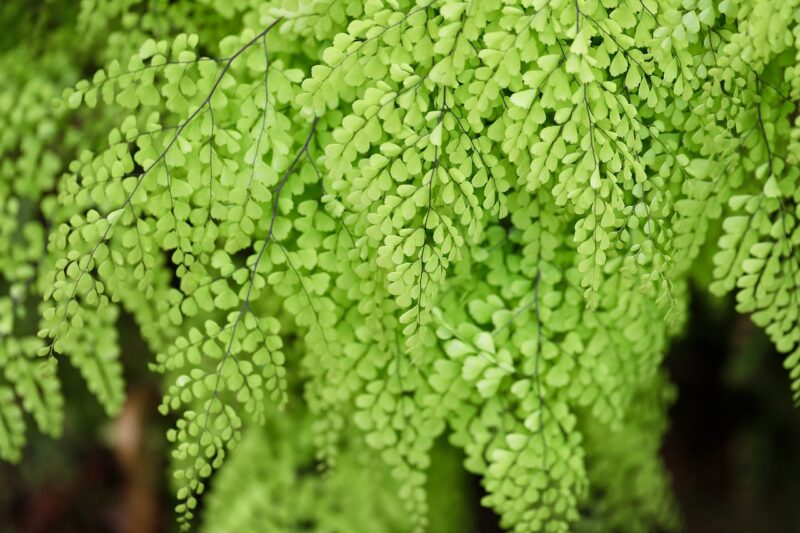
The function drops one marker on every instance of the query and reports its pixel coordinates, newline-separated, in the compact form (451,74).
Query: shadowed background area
(734,445)
(733,448)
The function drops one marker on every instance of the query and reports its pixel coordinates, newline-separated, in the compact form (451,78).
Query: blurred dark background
(733,448)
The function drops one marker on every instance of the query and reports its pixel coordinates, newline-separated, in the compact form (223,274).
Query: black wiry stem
(161,158)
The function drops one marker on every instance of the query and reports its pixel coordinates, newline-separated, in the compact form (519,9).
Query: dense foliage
(366,225)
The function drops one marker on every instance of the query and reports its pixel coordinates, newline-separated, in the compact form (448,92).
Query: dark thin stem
(161,158)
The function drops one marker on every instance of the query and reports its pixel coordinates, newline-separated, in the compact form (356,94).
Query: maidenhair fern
(350,229)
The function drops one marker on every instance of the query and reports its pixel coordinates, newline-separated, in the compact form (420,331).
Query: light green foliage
(626,465)
(409,220)
(270,483)
(29,164)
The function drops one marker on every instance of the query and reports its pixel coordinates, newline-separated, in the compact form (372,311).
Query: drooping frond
(351,230)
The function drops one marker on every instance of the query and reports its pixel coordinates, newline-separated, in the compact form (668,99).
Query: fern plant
(350,229)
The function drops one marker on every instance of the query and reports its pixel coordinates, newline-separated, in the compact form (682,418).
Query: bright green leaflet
(367,225)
